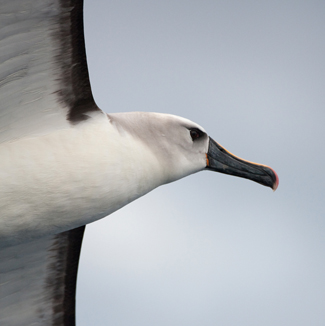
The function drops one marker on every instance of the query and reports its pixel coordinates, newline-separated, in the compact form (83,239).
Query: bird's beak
(220,160)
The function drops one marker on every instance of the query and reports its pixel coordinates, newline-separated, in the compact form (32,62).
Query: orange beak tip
(276,183)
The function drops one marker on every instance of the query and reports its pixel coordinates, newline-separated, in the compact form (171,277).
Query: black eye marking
(196,133)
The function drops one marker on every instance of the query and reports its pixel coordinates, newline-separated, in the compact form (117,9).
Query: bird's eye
(195,133)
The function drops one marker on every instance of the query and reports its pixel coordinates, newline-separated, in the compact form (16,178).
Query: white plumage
(65,163)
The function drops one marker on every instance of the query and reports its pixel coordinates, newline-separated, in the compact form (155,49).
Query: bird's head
(182,147)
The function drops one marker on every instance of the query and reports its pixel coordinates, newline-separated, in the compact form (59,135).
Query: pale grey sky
(213,249)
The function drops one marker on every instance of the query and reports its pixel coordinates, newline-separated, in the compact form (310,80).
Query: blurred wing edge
(38,280)
(44,80)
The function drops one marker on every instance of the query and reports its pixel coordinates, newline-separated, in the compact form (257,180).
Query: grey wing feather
(38,281)
(44,83)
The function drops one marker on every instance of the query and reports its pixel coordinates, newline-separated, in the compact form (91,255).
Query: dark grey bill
(220,160)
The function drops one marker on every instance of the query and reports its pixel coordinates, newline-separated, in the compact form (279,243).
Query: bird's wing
(44,86)
(44,83)
(38,281)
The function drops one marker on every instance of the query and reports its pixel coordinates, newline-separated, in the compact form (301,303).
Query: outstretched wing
(44,83)
(38,281)
(44,86)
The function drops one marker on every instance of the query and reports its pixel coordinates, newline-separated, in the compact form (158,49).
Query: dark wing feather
(38,281)
(44,83)
(75,91)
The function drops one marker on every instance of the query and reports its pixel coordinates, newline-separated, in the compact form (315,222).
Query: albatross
(65,163)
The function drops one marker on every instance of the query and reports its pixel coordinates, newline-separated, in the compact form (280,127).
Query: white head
(179,145)
(182,147)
